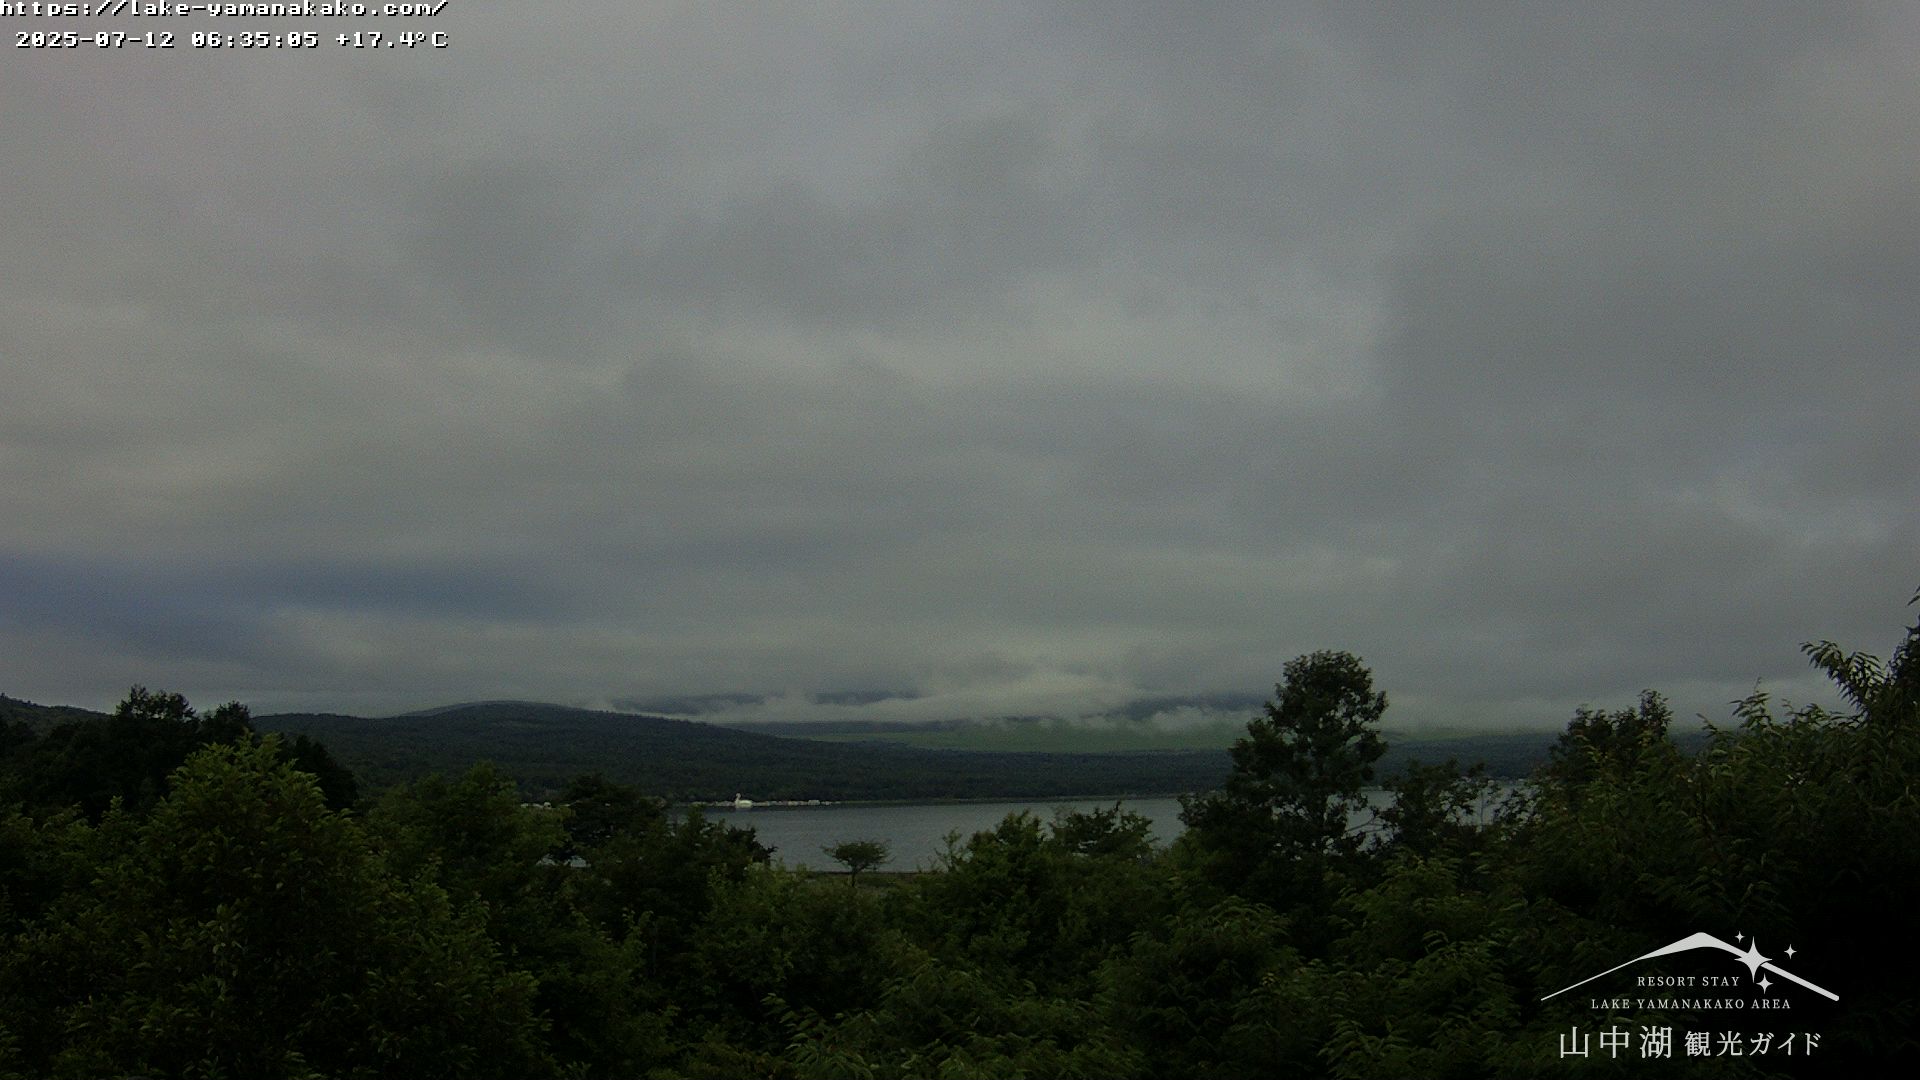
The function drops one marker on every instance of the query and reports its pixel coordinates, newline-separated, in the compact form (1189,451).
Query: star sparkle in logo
(1750,956)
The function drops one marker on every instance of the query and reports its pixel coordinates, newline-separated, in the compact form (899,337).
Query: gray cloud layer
(1024,357)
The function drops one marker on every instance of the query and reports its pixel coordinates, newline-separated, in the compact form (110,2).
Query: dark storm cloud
(1003,359)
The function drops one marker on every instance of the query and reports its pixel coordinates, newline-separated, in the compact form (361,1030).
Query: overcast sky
(1022,357)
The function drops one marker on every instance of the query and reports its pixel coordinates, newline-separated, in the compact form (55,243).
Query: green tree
(600,809)
(1598,743)
(125,756)
(1437,809)
(1790,826)
(1284,816)
(244,929)
(473,836)
(39,862)
(778,940)
(130,754)
(1112,833)
(1419,983)
(653,888)
(857,856)
(1178,988)
(944,1021)
(1017,902)
(336,781)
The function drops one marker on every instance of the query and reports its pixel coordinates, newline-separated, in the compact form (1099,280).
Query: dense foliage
(180,896)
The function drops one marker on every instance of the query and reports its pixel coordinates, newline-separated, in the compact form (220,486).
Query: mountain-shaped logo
(1750,956)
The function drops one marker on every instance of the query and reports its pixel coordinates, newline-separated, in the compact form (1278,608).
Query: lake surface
(916,833)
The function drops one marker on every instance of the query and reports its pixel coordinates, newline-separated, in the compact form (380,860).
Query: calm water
(915,832)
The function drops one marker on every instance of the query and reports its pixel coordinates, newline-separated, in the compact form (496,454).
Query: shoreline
(874,803)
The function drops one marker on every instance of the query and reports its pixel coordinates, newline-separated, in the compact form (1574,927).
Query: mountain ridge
(543,746)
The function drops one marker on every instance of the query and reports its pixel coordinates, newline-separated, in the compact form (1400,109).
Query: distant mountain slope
(544,746)
(1506,754)
(42,718)
(1014,733)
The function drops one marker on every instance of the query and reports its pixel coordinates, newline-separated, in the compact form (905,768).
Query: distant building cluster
(741,802)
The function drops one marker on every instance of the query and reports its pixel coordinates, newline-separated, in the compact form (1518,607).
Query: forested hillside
(544,746)
(181,895)
(40,718)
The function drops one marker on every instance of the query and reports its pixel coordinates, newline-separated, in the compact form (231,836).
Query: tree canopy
(857,856)
(222,916)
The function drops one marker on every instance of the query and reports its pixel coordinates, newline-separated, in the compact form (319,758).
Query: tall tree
(125,756)
(1299,777)
(1597,743)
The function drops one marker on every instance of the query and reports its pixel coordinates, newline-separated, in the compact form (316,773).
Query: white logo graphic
(1749,956)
